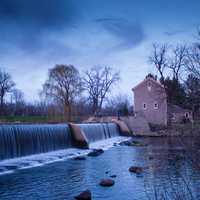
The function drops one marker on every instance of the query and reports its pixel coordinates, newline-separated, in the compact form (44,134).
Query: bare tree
(63,86)
(17,96)
(193,61)
(177,60)
(159,58)
(98,82)
(6,85)
(18,102)
(118,105)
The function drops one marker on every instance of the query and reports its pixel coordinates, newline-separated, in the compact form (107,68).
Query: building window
(155,105)
(149,86)
(187,115)
(144,106)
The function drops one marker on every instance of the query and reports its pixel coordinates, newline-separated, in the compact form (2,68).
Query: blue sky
(37,34)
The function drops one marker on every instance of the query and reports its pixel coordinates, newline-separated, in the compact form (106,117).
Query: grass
(40,119)
(30,119)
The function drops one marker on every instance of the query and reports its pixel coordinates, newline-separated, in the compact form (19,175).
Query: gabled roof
(145,80)
(177,109)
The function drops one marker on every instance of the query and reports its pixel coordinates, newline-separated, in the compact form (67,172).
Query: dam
(27,139)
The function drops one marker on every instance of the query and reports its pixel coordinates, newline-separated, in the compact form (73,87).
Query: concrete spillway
(22,140)
(100,131)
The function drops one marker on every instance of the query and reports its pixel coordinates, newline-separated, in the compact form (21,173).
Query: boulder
(133,143)
(113,176)
(80,158)
(107,182)
(95,152)
(125,143)
(85,195)
(138,144)
(78,136)
(151,157)
(136,170)
(179,157)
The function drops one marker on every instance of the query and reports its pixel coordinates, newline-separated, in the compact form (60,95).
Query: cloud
(45,13)
(26,24)
(129,34)
(174,32)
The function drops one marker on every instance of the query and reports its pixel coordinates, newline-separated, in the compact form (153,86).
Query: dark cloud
(128,33)
(26,24)
(42,13)
(34,26)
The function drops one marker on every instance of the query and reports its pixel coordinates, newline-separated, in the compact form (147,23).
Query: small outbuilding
(177,114)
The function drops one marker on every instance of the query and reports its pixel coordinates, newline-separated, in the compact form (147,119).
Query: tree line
(65,93)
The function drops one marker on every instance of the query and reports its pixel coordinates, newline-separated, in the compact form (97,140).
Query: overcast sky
(37,34)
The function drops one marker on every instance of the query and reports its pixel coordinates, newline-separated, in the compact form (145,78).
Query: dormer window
(149,86)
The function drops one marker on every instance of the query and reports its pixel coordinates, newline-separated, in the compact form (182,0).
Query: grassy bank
(40,119)
(31,119)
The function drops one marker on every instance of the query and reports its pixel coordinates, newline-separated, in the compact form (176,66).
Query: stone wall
(137,124)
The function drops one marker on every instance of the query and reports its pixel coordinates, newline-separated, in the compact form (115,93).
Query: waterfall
(22,140)
(100,131)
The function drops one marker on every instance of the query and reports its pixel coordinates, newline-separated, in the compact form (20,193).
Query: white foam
(106,144)
(54,156)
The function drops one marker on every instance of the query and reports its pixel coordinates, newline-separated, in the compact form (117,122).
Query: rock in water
(80,158)
(125,143)
(133,143)
(107,182)
(138,144)
(137,170)
(85,195)
(151,157)
(113,176)
(96,152)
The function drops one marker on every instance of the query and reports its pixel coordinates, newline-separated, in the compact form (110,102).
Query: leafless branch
(98,82)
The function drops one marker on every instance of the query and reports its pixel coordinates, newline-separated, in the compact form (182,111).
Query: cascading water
(22,140)
(100,131)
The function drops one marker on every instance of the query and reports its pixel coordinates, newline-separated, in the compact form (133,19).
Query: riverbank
(27,119)
(36,119)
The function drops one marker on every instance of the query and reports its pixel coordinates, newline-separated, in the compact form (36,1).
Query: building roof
(145,80)
(177,109)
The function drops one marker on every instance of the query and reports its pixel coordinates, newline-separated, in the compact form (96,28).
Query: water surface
(167,168)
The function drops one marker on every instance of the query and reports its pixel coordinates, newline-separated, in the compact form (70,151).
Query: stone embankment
(138,126)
